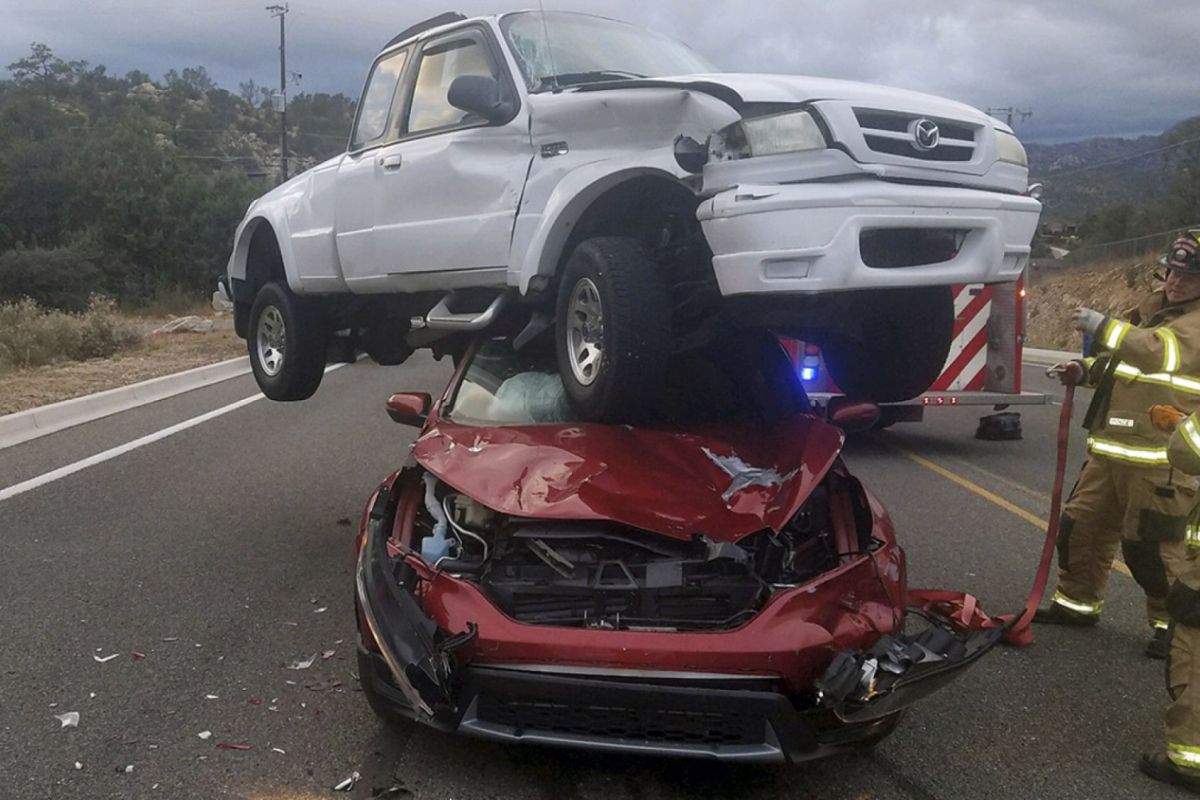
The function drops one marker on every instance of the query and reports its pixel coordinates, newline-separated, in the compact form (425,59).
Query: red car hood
(725,482)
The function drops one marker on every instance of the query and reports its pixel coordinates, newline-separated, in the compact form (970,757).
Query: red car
(720,586)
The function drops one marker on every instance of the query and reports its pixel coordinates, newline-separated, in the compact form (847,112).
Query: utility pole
(281,106)
(1010,113)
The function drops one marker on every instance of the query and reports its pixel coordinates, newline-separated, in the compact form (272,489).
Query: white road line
(121,449)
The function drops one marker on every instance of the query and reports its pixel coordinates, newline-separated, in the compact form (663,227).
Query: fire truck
(983,367)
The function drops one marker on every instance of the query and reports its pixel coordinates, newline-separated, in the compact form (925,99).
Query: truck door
(446,194)
(374,127)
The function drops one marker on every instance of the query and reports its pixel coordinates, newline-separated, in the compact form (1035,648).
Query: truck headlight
(1010,149)
(790,132)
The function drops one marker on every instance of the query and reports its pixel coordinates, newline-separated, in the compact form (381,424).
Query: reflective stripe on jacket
(1159,362)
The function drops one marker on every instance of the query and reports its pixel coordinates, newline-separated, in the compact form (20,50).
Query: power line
(1010,112)
(1119,160)
(281,11)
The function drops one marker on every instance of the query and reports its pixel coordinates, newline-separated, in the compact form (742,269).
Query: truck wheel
(613,330)
(906,337)
(286,342)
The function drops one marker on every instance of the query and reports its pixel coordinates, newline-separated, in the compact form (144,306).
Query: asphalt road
(223,553)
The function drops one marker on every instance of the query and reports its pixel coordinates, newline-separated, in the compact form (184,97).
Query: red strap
(963,609)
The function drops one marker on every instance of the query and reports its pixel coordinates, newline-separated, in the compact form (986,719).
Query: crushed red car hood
(725,482)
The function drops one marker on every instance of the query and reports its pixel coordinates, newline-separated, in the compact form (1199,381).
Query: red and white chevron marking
(966,366)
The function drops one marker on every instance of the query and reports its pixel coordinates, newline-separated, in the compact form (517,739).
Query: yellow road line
(998,478)
(974,488)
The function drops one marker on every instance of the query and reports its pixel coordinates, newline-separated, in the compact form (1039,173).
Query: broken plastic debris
(69,719)
(303,663)
(78,765)
(232,746)
(279,750)
(321,610)
(170,638)
(348,784)
(205,735)
(138,656)
(212,697)
(100,660)
(328,654)
(129,769)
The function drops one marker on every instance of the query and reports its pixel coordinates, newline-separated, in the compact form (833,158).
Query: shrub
(63,277)
(31,336)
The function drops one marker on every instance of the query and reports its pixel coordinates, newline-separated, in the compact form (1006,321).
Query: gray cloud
(1104,67)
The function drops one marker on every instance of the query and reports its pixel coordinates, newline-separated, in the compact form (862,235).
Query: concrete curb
(1046,358)
(25,425)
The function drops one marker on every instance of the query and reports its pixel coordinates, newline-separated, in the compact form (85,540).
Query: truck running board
(442,318)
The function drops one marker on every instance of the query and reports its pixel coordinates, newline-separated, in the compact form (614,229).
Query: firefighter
(1127,493)
(1179,763)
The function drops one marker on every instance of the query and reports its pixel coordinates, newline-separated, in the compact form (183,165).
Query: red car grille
(664,726)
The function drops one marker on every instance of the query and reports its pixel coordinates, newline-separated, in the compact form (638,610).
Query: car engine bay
(601,574)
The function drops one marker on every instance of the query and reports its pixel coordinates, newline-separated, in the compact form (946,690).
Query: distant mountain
(1079,179)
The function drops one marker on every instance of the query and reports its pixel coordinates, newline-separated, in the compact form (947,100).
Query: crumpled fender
(963,611)
(612,137)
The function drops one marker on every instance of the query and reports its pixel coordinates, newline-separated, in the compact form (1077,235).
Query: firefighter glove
(1087,320)
(1166,417)
(1069,373)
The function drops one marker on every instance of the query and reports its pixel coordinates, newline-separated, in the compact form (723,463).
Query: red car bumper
(438,650)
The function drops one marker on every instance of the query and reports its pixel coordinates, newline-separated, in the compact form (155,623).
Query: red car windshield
(745,378)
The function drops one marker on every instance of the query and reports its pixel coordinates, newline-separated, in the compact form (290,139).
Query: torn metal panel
(609,137)
(676,484)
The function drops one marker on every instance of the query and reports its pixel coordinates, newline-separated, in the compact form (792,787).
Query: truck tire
(286,343)
(906,337)
(613,330)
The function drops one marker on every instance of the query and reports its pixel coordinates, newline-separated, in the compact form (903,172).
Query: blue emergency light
(808,373)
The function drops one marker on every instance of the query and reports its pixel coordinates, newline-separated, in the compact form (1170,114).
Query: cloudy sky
(1084,67)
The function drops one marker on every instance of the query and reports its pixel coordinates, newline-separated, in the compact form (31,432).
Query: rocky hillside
(1112,288)
(1076,186)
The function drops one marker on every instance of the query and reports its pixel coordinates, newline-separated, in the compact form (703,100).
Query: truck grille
(655,725)
(890,132)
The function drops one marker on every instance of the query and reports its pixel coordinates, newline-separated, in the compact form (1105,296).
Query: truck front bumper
(805,238)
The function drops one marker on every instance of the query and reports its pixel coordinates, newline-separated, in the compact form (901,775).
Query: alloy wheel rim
(270,337)
(585,332)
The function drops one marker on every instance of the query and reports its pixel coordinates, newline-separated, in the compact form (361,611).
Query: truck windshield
(564,49)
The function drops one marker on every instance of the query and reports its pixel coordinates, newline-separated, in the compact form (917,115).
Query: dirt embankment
(162,354)
(1112,288)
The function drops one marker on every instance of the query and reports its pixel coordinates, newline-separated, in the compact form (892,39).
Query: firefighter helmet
(1184,253)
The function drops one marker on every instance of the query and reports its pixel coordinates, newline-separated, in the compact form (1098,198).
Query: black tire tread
(304,364)
(637,329)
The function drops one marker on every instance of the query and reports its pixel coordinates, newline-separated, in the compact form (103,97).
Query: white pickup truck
(607,186)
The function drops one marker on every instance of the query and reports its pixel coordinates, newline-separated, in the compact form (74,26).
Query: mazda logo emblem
(925,134)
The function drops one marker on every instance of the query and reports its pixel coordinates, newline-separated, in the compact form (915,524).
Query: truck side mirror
(409,408)
(480,94)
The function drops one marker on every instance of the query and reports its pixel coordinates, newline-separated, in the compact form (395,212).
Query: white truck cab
(611,188)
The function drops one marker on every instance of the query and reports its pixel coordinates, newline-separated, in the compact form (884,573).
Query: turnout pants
(1183,682)
(1144,510)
